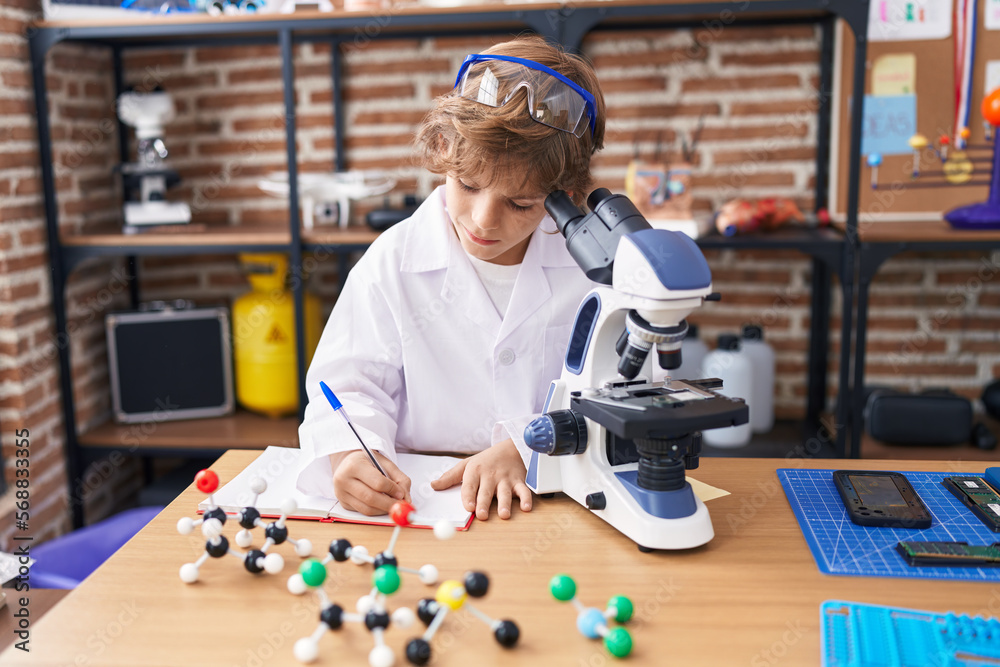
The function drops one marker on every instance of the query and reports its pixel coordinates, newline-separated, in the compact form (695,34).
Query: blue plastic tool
(865,635)
(992,477)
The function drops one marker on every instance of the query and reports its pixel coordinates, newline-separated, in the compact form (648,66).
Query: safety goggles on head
(553,99)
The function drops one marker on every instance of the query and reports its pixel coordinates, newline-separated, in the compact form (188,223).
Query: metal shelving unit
(878,245)
(830,255)
(566,24)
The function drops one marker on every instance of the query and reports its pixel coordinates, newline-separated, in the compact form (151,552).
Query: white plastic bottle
(693,351)
(761,356)
(734,369)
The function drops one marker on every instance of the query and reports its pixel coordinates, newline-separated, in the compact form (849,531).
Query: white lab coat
(419,356)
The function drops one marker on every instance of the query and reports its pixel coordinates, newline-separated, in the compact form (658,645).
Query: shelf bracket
(575,23)
(545,23)
(873,256)
(40,40)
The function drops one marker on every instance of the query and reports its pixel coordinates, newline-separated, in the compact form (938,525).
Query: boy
(452,325)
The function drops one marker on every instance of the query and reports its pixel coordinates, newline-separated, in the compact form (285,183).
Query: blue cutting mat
(842,547)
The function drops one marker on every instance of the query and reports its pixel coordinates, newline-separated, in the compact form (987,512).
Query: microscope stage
(658,411)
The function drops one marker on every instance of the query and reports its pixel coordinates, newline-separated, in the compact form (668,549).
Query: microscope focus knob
(557,433)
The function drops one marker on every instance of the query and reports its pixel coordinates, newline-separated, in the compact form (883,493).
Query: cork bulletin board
(899,196)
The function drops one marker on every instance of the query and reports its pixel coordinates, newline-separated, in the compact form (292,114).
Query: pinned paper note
(894,74)
(889,122)
(992,76)
(991,15)
(907,20)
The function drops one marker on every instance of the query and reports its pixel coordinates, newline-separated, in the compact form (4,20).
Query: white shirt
(420,357)
(498,280)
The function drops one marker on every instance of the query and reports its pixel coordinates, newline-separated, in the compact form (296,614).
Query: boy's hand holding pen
(365,481)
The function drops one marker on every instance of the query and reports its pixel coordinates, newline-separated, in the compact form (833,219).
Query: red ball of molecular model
(341,550)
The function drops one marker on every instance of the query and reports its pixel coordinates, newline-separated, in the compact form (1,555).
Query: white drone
(326,198)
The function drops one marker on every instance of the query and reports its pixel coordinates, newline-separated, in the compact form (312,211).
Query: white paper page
(279,467)
(432,506)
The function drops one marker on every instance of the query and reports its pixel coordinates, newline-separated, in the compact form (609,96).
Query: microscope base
(157,213)
(652,532)
(653,520)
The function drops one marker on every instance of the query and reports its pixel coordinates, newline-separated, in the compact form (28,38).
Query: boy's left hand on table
(498,471)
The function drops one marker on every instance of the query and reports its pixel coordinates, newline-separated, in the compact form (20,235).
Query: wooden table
(751,596)
(40,601)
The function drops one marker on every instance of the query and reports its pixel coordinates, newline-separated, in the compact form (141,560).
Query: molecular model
(274,533)
(452,596)
(217,546)
(403,515)
(591,621)
(371,611)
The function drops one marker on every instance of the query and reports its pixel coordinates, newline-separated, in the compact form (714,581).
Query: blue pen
(338,407)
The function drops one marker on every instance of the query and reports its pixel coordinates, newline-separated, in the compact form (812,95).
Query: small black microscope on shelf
(619,433)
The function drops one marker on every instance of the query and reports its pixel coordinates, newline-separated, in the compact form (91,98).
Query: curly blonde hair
(460,136)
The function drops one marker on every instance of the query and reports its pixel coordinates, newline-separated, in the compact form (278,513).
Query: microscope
(146,180)
(618,433)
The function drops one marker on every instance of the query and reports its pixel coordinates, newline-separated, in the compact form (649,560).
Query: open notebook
(279,467)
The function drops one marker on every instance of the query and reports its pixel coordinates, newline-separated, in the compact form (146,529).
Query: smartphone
(877,498)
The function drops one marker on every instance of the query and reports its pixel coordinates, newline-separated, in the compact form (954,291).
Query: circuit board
(978,496)
(933,554)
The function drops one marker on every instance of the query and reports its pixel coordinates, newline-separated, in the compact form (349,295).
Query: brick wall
(29,400)
(29,375)
(936,322)
(756,87)
(84,148)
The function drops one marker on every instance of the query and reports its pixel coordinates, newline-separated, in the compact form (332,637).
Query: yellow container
(264,337)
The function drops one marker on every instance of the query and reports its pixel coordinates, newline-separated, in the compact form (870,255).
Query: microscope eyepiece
(562,209)
(592,238)
(596,197)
